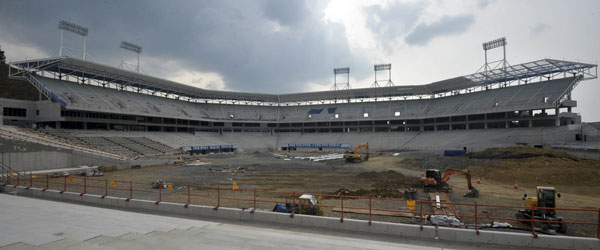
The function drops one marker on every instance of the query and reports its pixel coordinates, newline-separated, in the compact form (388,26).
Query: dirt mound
(389,180)
(444,163)
(540,171)
(377,192)
(520,152)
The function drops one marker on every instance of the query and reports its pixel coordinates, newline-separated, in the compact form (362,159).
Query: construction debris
(377,192)
(406,214)
(109,168)
(440,206)
(317,158)
(444,220)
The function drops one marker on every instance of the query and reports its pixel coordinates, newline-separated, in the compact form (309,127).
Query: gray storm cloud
(264,46)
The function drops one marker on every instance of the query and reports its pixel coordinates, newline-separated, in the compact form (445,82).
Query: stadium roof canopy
(541,69)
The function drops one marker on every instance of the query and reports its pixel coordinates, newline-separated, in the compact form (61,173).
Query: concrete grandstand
(130,114)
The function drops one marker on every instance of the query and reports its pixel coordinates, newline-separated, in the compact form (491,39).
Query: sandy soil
(383,175)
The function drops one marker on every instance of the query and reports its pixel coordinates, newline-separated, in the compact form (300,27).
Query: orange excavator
(354,156)
(434,181)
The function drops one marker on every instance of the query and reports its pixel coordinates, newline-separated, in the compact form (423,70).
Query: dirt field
(384,176)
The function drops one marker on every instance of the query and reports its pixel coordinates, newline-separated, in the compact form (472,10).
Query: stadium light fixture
(339,71)
(131,47)
(494,43)
(382,67)
(74,28)
(134,48)
(379,67)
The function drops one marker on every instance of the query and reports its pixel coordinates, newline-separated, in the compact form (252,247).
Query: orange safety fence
(218,196)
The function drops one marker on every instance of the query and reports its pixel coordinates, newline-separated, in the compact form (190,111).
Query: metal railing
(341,206)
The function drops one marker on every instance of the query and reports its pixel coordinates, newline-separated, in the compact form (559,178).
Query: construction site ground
(384,175)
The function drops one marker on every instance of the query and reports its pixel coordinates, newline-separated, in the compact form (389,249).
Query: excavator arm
(466,173)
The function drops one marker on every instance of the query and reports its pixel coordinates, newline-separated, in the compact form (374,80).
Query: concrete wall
(359,226)
(25,156)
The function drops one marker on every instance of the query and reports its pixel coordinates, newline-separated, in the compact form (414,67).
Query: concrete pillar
(421,125)
(467,122)
(485,123)
(84,125)
(506,124)
(530,123)
(557,119)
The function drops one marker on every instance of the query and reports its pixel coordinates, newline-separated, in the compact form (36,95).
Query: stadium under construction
(64,115)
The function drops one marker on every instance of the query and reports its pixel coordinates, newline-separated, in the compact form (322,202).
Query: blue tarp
(315,111)
(331,110)
(454,152)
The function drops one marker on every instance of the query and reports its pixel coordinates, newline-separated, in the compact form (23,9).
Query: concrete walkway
(27,223)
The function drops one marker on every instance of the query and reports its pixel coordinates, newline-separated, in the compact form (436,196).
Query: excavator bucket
(474,193)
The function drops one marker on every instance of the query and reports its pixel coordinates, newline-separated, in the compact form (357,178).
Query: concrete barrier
(352,225)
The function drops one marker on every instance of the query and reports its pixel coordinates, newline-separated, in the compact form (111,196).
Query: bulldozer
(546,198)
(434,181)
(354,156)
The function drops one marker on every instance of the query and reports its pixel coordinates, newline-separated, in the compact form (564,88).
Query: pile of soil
(444,163)
(377,192)
(389,180)
(543,171)
(520,152)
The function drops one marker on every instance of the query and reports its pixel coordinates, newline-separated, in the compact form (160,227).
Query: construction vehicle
(546,198)
(354,156)
(158,183)
(306,204)
(434,181)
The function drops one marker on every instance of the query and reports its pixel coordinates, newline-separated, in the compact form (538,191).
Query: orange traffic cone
(478,180)
(516,185)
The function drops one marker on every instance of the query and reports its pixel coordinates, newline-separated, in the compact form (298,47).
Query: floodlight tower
(341,71)
(382,67)
(74,28)
(500,42)
(135,48)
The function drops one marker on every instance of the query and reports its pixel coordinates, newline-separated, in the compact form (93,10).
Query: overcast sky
(275,46)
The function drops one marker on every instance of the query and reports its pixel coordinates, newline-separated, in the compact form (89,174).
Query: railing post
(84,186)
(293,204)
(476,220)
(64,185)
(254,198)
(105,189)
(342,216)
(421,216)
(47,183)
(533,222)
(370,211)
(18,178)
(30,180)
(218,198)
(130,191)
(598,229)
(188,197)
(159,194)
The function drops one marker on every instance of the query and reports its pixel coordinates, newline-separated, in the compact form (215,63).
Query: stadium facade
(72,93)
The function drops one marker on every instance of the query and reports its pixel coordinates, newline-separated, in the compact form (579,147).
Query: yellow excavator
(546,218)
(354,156)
